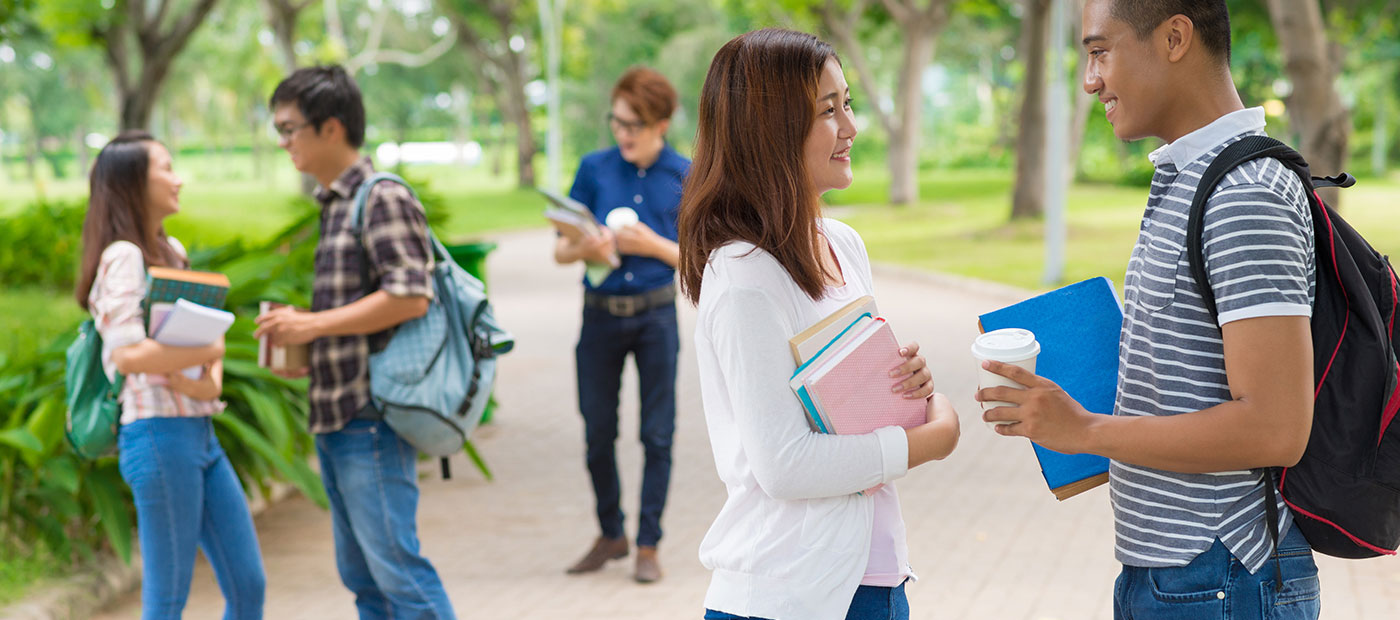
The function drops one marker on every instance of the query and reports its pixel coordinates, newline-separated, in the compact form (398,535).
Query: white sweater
(793,538)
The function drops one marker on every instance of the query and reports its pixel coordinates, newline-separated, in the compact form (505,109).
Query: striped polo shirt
(1259,256)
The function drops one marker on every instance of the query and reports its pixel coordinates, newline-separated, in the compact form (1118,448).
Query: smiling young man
(368,471)
(632,312)
(1206,403)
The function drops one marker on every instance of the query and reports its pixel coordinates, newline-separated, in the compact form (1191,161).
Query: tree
(1322,122)
(159,34)
(282,16)
(920,24)
(1028,197)
(494,33)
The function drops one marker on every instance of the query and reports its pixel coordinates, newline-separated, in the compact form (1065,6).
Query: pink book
(852,390)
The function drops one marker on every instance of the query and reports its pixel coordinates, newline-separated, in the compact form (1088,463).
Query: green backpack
(94,413)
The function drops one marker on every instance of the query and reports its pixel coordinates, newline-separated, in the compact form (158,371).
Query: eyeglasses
(285,131)
(625,127)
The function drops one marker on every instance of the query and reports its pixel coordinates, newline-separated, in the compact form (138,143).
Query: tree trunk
(1380,132)
(905,137)
(1028,197)
(524,147)
(80,152)
(1322,123)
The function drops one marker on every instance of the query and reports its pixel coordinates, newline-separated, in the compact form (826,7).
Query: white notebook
(188,324)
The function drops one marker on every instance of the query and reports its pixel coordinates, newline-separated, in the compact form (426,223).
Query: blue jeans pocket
(1300,597)
(1188,584)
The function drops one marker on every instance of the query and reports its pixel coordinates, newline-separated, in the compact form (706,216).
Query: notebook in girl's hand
(1078,328)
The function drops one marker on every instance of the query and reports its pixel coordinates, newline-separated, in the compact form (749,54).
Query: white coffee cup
(620,218)
(1014,346)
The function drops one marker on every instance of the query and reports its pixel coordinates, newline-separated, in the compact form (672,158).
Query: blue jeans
(869,603)
(187,496)
(371,481)
(652,338)
(1216,585)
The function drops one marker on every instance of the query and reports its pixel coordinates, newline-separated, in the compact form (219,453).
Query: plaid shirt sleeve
(396,241)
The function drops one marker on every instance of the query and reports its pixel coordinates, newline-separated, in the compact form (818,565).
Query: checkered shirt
(395,241)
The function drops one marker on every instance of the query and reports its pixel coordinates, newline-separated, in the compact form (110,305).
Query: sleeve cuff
(894,450)
(1262,310)
(407,283)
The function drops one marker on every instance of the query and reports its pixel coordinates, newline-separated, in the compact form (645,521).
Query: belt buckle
(622,306)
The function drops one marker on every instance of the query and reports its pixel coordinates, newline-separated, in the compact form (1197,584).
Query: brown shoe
(648,566)
(604,549)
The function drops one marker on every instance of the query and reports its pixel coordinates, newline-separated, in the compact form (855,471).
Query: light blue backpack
(433,379)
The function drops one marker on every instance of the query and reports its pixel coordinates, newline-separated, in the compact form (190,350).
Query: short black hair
(1210,17)
(323,93)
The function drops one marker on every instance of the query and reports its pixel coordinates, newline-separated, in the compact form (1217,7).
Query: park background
(479,101)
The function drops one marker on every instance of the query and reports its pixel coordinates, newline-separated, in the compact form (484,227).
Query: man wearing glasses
(368,471)
(633,311)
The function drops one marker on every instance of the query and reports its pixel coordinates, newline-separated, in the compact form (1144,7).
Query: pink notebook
(852,390)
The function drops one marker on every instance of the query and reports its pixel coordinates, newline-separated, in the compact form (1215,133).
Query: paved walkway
(986,538)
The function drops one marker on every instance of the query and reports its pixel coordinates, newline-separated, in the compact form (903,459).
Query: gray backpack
(433,379)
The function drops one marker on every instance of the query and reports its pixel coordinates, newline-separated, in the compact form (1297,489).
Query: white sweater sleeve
(789,460)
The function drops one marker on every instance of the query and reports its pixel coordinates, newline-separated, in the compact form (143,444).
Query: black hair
(1210,17)
(323,93)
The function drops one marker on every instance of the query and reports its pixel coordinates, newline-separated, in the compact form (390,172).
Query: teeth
(1110,104)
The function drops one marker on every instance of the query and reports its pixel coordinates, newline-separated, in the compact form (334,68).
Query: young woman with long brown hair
(187,495)
(797,538)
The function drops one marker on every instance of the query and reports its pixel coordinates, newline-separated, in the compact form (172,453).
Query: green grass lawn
(960,225)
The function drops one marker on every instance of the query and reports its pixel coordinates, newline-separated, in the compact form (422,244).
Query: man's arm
(370,314)
(1268,363)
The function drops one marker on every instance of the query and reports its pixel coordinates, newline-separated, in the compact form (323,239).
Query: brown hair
(117,209)
(748,181)
(648,93)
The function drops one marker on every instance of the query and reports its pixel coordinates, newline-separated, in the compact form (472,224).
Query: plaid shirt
(115,305)
(395,231)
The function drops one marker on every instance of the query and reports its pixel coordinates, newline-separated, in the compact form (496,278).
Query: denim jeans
(652,338)
(869,603)
(372,484)
(1216,585)
(187,496)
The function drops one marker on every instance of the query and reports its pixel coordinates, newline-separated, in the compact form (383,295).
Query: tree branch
(840,24)
(400,57)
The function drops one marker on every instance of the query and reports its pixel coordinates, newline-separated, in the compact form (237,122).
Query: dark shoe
(604,549)
(648,567)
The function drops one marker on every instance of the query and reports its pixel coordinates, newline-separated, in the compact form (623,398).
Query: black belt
(631,305)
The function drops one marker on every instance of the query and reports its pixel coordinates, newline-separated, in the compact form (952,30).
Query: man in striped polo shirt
(1205,402)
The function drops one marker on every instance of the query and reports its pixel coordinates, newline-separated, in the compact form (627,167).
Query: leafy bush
(41,245)
(73,508)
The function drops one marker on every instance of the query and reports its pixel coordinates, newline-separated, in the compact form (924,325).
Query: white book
(188,324)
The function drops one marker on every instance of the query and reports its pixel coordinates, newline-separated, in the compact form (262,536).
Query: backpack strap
(1245,150)
(438,251)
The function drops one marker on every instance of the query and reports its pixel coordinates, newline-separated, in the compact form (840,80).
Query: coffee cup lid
(1006,345)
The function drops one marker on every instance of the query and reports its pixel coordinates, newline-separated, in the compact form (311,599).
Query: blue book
(1078,328)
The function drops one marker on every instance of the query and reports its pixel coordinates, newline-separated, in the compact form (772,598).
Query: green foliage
(72,508)
(40,246)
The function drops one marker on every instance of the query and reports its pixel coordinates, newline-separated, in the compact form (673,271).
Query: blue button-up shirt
(606,181)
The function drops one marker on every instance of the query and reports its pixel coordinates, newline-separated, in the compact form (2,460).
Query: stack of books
(168,285)
(188,324)
(574,220)
(842,376)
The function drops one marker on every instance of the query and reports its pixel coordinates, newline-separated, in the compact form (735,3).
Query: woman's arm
(208,387)
(149,356)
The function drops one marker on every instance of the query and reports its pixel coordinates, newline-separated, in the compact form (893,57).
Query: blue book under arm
(1078,328)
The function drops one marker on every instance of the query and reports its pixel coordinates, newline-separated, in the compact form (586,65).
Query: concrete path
(986,538)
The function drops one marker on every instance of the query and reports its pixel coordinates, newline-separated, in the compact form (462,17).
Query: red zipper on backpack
(1332,247)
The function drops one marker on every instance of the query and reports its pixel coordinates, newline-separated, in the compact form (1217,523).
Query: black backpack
(1345,492)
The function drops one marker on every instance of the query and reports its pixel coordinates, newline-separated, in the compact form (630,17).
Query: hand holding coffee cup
(1011,346)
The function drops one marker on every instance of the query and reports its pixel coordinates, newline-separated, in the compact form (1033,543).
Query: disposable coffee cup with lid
(1011,346)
